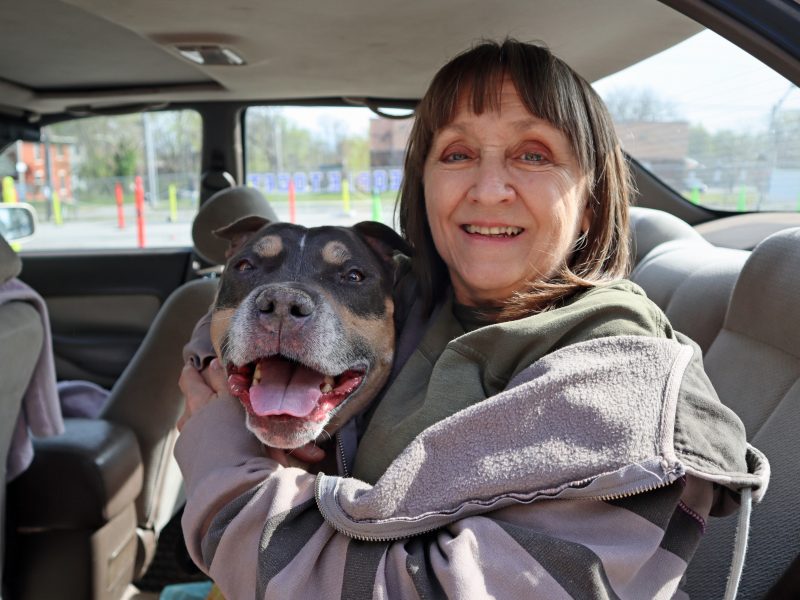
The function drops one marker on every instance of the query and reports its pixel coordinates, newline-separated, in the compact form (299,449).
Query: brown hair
(550,90)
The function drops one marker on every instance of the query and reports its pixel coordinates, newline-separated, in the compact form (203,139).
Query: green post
(57,208)
(346,196)
(741,202)
(695,196)
(9,191)
(377,213)
(173,203)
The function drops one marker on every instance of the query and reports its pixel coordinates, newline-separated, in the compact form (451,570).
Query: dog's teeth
(257,374)
(327,387)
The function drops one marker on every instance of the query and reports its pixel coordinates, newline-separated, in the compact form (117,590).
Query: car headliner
(100,53)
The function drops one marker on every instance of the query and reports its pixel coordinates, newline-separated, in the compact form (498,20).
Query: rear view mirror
(17,221)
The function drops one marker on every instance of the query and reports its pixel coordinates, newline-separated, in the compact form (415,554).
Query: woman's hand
(300,457)
(202,387)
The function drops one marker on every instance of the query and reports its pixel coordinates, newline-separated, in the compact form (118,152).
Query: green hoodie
(451,369)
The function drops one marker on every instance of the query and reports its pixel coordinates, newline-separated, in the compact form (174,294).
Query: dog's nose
(285,302)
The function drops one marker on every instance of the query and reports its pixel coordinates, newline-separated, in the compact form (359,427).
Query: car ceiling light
(207,54)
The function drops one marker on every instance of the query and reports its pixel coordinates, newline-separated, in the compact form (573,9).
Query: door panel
(102,304)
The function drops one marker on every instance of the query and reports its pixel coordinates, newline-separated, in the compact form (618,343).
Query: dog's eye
(354,276)
(244,265)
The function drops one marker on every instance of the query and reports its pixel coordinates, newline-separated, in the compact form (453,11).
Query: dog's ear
(384,240)
(238,232)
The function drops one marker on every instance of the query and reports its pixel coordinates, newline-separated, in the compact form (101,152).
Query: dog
(303,322)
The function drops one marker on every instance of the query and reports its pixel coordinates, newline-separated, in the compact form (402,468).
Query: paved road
(98,227)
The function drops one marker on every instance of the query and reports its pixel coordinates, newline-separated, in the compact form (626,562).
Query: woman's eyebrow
(453,128)
(528,123)
(520,125)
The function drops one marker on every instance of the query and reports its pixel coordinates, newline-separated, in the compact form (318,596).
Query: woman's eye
(244,265)
(354,276)
(455,157)
(533,157)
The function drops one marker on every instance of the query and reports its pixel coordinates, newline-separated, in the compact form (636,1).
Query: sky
(711,81)
(707,79)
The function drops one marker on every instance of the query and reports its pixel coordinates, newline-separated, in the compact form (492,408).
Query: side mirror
(17,221)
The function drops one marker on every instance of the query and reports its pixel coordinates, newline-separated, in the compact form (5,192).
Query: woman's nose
(493,182)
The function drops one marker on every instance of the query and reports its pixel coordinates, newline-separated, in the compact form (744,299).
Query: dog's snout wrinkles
(283,302)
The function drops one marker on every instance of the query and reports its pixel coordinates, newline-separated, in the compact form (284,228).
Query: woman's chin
(484,290)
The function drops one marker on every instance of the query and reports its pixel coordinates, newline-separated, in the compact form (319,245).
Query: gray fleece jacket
(589,472)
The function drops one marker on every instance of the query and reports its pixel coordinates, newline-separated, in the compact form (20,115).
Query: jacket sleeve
(256,529)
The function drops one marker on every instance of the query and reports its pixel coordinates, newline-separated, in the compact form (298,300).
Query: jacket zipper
(340,445)
(375,538)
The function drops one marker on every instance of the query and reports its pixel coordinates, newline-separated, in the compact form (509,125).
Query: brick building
(31,166)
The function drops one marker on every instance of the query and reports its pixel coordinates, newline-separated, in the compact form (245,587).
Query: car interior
(94,513)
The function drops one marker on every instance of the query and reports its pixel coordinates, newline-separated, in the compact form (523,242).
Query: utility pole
(150,161)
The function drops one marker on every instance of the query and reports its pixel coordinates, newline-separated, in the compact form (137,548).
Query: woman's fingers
(196,391)
(216,376)
(278,456)
(309,453)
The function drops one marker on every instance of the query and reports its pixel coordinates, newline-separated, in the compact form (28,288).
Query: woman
(540,436)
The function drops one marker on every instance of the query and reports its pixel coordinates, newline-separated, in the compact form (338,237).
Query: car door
(115,197)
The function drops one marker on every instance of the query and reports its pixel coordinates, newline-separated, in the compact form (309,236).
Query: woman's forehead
(510,109)
(502,100)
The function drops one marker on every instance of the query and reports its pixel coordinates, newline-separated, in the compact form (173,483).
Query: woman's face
(505,199)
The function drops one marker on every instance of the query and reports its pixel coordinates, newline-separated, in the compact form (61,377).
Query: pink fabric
(41,410)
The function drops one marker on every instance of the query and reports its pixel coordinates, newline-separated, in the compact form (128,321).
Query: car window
(128,181)
(713,123)
(326,165)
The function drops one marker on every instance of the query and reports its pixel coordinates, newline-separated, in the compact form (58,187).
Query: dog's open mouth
(278,386)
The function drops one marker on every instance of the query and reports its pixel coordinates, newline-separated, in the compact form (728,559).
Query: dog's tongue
(286,388)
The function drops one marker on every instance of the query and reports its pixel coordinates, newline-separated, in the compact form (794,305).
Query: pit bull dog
(303,323)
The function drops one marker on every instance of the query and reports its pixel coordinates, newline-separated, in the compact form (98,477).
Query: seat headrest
(650,227)
(10,264)
(223,208)
(764,302)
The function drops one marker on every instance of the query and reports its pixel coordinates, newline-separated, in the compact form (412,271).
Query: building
(661,147)
(31,163)
(387,141)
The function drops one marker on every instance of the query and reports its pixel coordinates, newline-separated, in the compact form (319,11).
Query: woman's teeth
(503,231)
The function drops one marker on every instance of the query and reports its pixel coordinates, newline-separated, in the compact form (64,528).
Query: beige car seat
(743,308)
(754,364)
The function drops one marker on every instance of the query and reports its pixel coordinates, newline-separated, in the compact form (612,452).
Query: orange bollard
(292,207)
(120,212)
(138,192)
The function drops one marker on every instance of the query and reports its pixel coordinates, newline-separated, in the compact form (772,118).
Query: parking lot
(99,227)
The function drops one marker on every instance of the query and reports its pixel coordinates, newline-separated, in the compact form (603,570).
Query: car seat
(21,341)
(754,364)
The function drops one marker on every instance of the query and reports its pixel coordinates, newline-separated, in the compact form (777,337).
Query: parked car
(117,120)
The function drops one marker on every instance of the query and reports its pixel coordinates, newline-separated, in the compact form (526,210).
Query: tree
(640,104)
